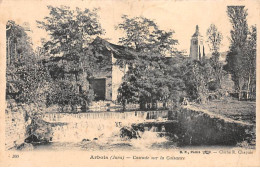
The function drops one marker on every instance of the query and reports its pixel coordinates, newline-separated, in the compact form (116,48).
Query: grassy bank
(237,110)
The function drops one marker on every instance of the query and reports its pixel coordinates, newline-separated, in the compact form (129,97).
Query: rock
(25,146)
(32,139)
(85,140)
(15,109)
(129,133)
(95,139)
(39,131)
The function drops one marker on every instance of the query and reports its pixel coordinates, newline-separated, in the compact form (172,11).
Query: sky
(180,16)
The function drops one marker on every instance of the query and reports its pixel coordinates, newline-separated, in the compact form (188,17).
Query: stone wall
(23,122)
(113,75)
(117,78)
(200,127)
(15,125)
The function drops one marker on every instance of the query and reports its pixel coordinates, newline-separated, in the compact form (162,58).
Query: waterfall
(76,127)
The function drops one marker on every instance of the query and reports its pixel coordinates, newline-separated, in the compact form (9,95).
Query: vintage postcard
(129,83)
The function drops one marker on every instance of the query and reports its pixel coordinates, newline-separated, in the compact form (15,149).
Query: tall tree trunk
(239,89)
(8,51)
(15,51)
(239,94)
(248,86)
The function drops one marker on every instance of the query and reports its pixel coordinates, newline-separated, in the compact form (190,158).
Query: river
(134,131)
(103,131)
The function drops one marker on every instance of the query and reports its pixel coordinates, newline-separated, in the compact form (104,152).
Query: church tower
(196,45)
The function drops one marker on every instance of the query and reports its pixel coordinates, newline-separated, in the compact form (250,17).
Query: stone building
(107,76)
(197,51)
(106,81)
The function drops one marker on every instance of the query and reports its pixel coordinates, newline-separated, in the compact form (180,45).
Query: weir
(88,126)
(183,126)
(187,126)
(135,115)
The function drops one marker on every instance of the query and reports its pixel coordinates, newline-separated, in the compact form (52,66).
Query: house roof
(118,51)
(103,46)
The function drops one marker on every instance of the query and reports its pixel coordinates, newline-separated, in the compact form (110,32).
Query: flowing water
(101,131)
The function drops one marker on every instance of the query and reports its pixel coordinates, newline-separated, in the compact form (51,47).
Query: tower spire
(197,50)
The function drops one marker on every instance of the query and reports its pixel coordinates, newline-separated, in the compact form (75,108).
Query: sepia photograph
(140,83)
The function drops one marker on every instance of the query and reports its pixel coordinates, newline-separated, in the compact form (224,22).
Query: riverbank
(244,111)
(227,122)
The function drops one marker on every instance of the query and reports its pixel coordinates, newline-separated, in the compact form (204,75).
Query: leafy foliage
(147,80)
(214,41)
(26,77)
(241,57)
(70,30)
(65,93)
(150,84)
(19,47)
(214,38)
(71,62)
(144,35)
(197,76)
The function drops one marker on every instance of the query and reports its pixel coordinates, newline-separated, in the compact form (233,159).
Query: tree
(250,63)
(71,60)
(238,18)
(19,47)
(63,92)
(214,38)
(236,57)
(34,83)
(126,94)
(70,31)
(147,80)
(148,83)
(197,76)
(25,76)
(144,35)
